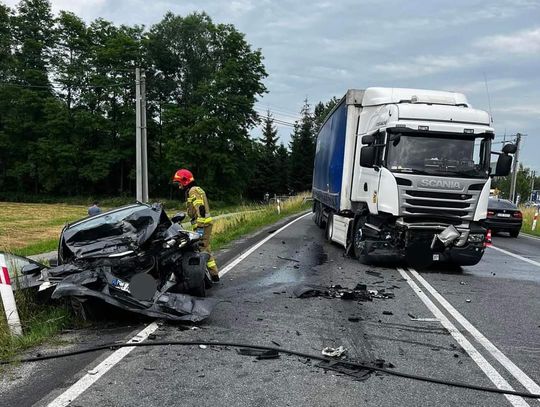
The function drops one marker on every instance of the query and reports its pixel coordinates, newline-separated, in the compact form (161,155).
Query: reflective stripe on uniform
(211,263)
(198,202)
(204,221)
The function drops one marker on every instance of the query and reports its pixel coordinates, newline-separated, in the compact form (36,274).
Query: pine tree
(302,151)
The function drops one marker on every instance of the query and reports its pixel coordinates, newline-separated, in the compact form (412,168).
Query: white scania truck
(406,173)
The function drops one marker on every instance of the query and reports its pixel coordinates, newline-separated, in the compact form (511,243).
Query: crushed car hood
(109,238)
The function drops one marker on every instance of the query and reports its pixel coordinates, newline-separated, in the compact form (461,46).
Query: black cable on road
(279,350)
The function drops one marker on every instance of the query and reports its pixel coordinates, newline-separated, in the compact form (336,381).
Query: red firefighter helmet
(183,177)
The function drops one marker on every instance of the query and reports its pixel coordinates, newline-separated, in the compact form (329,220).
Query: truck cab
(415,175)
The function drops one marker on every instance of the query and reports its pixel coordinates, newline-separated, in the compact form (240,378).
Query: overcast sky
(319,49)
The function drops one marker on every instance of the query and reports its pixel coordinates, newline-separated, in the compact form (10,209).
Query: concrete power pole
(533,177)
(516,169)
(140,136)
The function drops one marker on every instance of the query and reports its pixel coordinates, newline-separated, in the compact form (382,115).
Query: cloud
(494,85)
(520,110)
(525,42)
(427,65)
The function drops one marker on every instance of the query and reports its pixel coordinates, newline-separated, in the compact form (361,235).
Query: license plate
(503,215)
(121,285)
(436,257)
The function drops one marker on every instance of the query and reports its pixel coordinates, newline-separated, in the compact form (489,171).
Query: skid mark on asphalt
(475,355)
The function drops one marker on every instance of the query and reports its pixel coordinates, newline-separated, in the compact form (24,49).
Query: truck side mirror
(509,149)
(504,163)
(367,156)
(368,139)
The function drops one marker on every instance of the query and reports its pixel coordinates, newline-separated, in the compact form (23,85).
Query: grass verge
(226,230)
(40,323)
(528,215)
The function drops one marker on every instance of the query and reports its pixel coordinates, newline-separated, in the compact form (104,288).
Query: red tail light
(490,214)
(518,214)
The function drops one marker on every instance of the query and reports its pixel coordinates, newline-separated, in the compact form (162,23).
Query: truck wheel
(320,216)
(359,243)
(514,233)
(329,227)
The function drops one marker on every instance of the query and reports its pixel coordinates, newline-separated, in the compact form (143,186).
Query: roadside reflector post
(535,218)
(8,299)
(278,206)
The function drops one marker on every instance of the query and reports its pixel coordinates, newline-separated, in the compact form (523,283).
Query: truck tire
(329,227)
(358,240)
(514,233)
(319,217)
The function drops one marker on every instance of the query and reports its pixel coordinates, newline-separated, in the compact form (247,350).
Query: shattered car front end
(134,258)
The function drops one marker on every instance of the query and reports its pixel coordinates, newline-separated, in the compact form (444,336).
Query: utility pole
(516,169)
(140,136)
(533,177)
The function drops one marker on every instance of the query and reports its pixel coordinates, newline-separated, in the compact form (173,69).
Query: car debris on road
(358,293)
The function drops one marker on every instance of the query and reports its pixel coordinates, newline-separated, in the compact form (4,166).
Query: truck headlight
(476,238)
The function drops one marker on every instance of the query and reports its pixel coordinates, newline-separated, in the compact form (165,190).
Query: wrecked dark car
(134,258)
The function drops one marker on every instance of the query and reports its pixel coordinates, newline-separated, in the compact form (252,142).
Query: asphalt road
(479,325)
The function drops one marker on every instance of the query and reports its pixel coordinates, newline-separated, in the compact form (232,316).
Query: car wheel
(514,233)
(199,291)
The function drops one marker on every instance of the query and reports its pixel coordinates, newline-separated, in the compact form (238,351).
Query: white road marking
(521,376)
(92,376)
(476,356)
(235,262)
(529,236)
(517,256)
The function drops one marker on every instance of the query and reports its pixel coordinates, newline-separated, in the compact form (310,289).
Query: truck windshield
(438,155)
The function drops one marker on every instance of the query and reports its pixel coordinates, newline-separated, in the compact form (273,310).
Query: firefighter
(199,212)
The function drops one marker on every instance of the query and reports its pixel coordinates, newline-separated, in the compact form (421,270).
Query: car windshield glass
(501,204)
(442,156)
(107,218)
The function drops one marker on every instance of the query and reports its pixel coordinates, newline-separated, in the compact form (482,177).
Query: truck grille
(417,202)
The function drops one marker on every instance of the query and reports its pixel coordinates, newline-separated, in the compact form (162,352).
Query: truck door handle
(365,186)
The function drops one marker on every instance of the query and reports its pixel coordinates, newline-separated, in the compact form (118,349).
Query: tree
(267,173)
(29,91)
(302,150)
(322,110)
(210,79)
(523,184)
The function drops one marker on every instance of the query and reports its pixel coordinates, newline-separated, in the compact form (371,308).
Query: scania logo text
(440,184)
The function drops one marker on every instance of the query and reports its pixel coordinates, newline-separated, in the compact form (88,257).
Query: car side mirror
(367,156)
(30,268)
(504,164)
(179,217)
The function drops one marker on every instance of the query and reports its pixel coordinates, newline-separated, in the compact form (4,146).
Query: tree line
(67,108)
